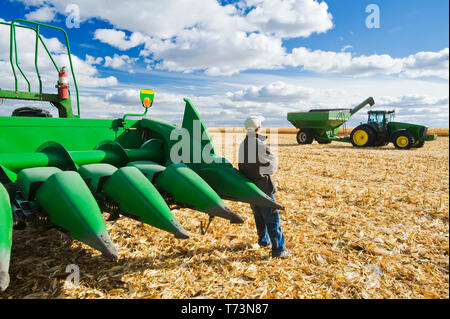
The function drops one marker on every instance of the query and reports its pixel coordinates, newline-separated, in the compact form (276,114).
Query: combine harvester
(69,170)
(380,129)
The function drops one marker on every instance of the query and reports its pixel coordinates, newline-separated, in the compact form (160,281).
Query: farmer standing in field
(258,163)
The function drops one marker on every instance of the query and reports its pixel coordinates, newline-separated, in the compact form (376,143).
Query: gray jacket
(257,162)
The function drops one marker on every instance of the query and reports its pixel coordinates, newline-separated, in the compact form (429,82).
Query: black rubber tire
(419,144)
(305,136)
(407,135)
(371,136)
(323,141)
(31,112)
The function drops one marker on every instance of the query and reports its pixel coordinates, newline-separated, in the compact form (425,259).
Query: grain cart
(67,170)
(380,130)
(323,125)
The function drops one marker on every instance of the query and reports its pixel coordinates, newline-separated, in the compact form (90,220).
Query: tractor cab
(381,118)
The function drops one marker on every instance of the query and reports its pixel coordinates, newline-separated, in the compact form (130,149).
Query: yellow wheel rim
(416,143)
(360,137)
(402,141)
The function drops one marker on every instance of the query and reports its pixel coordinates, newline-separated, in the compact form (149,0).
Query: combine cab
(69,170)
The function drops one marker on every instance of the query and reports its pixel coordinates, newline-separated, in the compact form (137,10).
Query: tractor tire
(305,136)
(31,112)
(323,141)
(363,136)
(403,140)
(419,144)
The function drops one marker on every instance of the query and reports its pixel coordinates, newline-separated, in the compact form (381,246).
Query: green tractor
(380,130)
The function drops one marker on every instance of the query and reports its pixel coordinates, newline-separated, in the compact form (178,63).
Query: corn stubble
(362,223)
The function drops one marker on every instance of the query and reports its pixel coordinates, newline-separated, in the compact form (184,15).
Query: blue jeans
(267,222)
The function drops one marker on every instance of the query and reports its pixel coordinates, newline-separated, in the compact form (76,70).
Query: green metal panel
(160,130)
(148,168)
(30,179)
(413,129)
(230,183)
(138,197)
(65,160)
(320,120)
(94,173)
(68,201)
(200,136)
(6,227)
(187,187)
(27,134)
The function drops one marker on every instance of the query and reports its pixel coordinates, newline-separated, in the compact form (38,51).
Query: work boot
(285,254)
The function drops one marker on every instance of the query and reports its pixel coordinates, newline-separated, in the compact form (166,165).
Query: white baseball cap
(252,123)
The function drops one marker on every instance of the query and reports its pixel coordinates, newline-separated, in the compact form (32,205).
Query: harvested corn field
(361,223)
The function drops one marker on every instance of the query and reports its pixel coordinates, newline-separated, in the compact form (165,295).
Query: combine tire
(305,136)
(403,140)
(31,112)
(363,136)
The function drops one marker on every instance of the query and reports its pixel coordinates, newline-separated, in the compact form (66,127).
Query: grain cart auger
(68,170)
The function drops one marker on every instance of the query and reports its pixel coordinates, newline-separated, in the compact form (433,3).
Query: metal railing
(14,56)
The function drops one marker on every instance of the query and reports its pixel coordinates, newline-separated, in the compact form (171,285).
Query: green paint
(139,198)
(30,179)
(325,124)
(230,184)
(6,223)
(189,189)
(70,205)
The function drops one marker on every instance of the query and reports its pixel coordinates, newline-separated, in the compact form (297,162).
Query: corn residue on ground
(361,223)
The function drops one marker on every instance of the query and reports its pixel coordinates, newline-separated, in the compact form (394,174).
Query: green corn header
(68,170)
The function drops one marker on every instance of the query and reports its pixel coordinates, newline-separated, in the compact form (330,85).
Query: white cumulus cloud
(43,14)
(290,18)
(118,39)
(416,65)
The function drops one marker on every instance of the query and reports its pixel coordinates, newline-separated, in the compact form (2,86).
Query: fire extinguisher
(63,84)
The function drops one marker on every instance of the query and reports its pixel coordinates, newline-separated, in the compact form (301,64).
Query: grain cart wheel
(305,136)
(363,136)
(419,144)
(323,141)
(403,140)
(31,112)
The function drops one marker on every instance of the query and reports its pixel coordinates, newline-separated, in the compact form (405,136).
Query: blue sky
(233,58)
